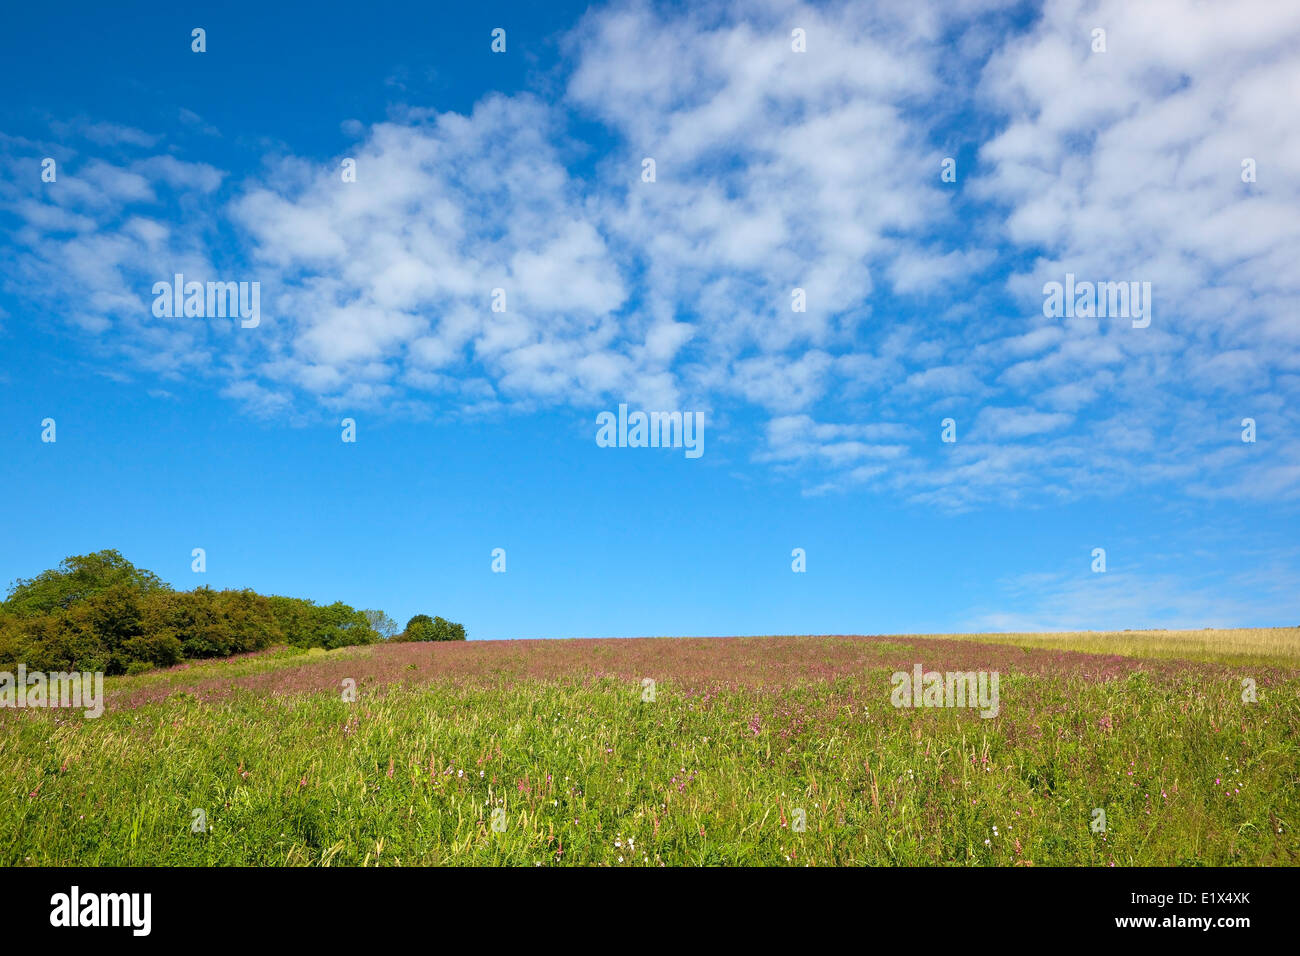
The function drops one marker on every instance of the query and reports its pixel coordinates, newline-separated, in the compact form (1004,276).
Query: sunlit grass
(1258,645)
(710,771)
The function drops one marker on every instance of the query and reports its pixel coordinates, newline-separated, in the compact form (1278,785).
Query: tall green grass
(586,772)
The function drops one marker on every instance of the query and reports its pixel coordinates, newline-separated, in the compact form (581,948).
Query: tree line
(98,612)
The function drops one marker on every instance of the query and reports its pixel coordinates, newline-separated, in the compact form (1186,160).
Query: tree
(77,578)
(99,612)
(425,628)
(113,617)
(419,628)
(381,623)
(339,624)
(294,619)
(444,630)
(210,623)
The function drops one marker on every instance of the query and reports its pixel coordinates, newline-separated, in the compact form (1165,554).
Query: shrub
(444,630)
(295,619)
(98,612)
(339,625)
(208,623)
(425,628)
(418,628)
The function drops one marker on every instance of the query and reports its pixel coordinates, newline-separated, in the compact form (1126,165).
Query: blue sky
(774,170)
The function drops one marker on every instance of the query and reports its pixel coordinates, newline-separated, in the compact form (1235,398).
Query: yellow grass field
(1278,646)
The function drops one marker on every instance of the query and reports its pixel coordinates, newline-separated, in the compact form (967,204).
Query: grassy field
(743,740)
(1255,645)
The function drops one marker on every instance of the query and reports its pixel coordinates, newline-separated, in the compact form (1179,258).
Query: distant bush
(339,625)
(418,628)
(444,630)
(425,628)
(99,612)
(208,623)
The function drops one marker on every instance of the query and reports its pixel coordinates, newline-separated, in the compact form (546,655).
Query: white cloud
(775,170)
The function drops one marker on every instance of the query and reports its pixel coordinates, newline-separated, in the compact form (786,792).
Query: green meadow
(782,751)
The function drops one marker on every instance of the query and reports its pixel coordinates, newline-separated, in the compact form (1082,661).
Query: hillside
(661,751)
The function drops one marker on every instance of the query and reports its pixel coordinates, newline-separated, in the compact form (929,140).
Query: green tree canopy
(419,628)
(76,579)
(99,612)
(425,628)
(382,624)
(444,630)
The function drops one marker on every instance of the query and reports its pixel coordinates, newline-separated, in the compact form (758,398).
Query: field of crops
(663,751)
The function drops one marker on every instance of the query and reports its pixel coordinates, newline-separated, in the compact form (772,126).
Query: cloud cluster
(774,171)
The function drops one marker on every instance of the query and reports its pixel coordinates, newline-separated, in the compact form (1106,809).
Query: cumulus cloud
(780,177)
